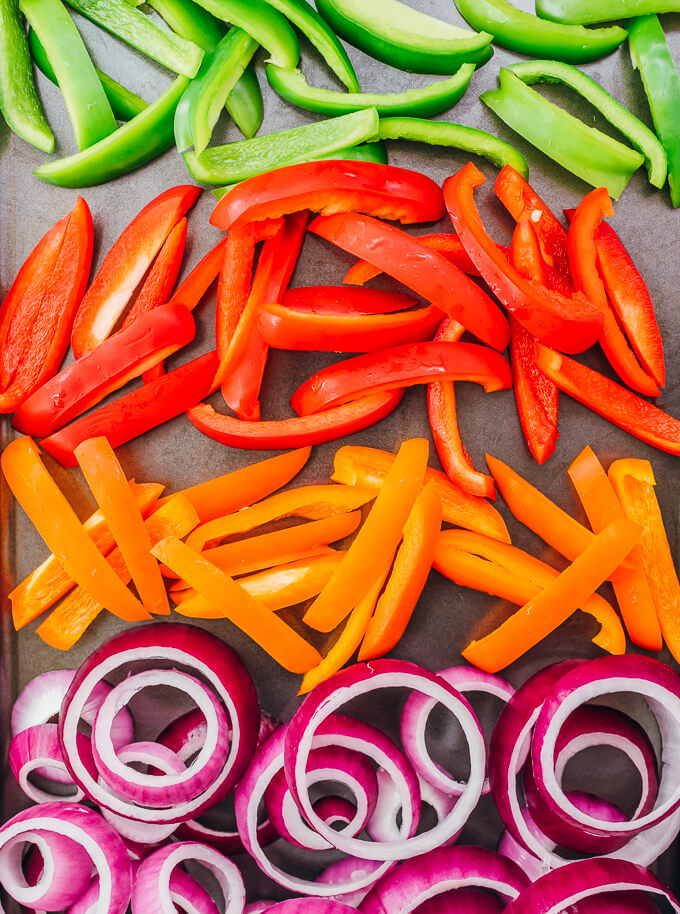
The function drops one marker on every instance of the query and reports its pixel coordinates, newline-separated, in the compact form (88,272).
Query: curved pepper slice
(339,300)
(427,272)
(194,286)
(245,104)
(263,23)
(447,244)
(65,536)
(401,366)
(160,281)
(583,11)
(332,186)
(572,324)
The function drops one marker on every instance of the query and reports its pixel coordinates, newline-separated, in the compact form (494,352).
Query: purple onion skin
(462,901)
(617,903)
(310,905)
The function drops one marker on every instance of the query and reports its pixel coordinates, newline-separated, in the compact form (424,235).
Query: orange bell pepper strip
(408,577)
(504,571)
(108,484)
(313,502)
(447,244)
(249,614)
(542,614)
(233,491)
(367,466)
(73,616)
(58,524)
(376,540)
(633,481)
(49,582)
(632,589)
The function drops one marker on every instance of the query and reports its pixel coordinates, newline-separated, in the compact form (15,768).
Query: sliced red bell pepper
(447,244)
(124,356)
(401,366)
(332,186)
(139,411)
(160,281)
(328,425)
(441,409)
(36,320)
(583,258)
(619,405)
(571,324)
(426,272)
(126,264)
(192,289)
(341,300)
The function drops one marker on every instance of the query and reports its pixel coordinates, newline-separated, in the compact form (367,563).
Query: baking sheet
(178,455)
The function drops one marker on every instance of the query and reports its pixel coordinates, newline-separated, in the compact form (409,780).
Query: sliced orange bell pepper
(65,536)
(408,576)
(249,614)
(367,466)
(504,571)
(109,486)
(49,582)
(632,589)
(552,606)
(73,616)
(376,540)
(314,502)
(633,481)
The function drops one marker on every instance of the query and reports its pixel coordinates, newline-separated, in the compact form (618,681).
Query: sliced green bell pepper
(456,136)
(404,37)
(527,34)
(134,28)
(19,100)
(267,26)
(86,103)
(245,103)
(132,145)
(639,135)
(191,21)
(426,102)
(651,56)
(584,151)
(235,162)
(584,11)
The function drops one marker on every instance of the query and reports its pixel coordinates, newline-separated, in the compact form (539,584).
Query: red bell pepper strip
(332,186)
(447,244)
(341,300)
(571,324)
(619,405)
(160,281)
(139,411)
(38,312)
(426,272)
(126,265)
(122,357)
(192,289)
(583,258)
(401,366)
(441,408)
(328,425)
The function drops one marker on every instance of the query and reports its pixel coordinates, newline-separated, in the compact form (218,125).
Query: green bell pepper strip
(527,34)
(86,103)
(638,134)
(19,100)
(404,37)
(235,162)
(584,151)
(456,136)
(317,32)
(426,102)
(134,28)
(124,103)
(267,26)
(245,104)
(191,21)
(584,11)
(651,56)
(131,146)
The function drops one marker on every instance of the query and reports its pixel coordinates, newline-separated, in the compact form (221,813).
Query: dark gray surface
(177,455)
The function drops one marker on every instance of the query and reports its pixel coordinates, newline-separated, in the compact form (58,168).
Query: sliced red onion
(416,714)
(416,881)
(353,682)
(180,645)
(511,848)
(257,907)
(384,823)
(36,750)
(462,901)
(335,810)
(64,875)
(311,906)
(186,892)
(621,903)
(152,892)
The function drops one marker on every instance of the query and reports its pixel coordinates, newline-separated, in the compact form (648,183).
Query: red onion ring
(186,892)
(383,824)
(257,907)
(65,872)
(628,903)
(311,906)
(462,901)
(36,750)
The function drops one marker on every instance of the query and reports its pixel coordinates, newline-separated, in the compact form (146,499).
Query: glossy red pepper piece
(426,272)
(571,324)
(126,265)
(193,287)
(447,244)
(157,287)
(38,311)
(342,300)
(332,186)
(124,356)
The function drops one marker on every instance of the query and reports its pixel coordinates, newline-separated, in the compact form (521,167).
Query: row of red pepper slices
(563,291)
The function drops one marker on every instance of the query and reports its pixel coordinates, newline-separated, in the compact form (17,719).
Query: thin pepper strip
(180,592)
(245,104)
(65,536)
(160,280)
(193,287)
(583,11)
(339,300)
(447,244)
